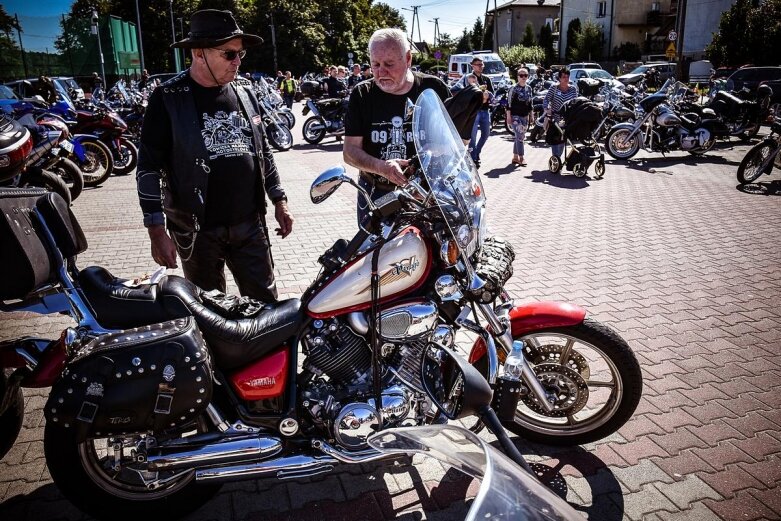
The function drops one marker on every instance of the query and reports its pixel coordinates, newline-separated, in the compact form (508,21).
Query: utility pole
(96,32)
(173,33)
(414,9)
(495,46)
(436,31)
(681,23)
(19,35)
(274,41)
(181,33)
(140,40)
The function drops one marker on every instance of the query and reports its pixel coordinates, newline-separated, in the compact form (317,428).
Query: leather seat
(690,120)
(233,343)
(729,98)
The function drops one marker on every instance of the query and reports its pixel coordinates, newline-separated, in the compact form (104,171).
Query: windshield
(450,172)
(506,492)
(122,91)
(493,67)
(6,93)
(600,74)
(64,95)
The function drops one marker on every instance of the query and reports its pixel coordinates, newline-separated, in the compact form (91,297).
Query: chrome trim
(358,322)
(363,456)
(217,419)
(408,321)
(447,288)
(247,449)
(289,467)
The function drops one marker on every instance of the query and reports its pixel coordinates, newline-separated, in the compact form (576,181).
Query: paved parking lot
(667,250)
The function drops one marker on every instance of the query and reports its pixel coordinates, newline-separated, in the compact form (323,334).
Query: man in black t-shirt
(355,78)
(483,120)
(205,167)
(378,141)
(334,88)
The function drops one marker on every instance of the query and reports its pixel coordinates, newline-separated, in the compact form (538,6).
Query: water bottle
(513,364)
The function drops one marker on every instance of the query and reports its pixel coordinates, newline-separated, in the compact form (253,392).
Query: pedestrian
(289,88)
(332,86)
(355,78)
(144,81)
(378,141)
(341,73)
(556,97)
(366,71)
(483,120)
(279,79)
(97,86)
(519,106)
(210,206)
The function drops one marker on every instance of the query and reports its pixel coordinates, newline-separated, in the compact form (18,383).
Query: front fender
(535,316)
(623,126)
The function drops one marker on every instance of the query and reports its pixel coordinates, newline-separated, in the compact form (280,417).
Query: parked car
(596,74)
(584,65)
(752,77)
(665,70)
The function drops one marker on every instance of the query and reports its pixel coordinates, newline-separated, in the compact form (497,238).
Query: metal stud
(140,369)
(83,379)
(198,400)
(152,367)
(70,391)
(201,390)
(198,378)
(128,372)
(54,419)
(192,410)
(60,400)
(67,425)
(136,361)
(193,368)
(186,358)
(118,375)
(54,411)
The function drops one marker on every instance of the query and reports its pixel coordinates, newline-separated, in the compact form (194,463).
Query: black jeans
(244,248)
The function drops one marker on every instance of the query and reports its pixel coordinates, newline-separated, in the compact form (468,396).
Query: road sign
(670,52)
(438,55)
(672,36)
(350,55)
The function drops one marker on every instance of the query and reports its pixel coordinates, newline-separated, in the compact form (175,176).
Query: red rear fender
(536,316)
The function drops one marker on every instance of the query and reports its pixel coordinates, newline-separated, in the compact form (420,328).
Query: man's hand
(393,171)
(284,218)
(163,247)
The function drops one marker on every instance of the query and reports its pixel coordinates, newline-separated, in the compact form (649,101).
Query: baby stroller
(581,118)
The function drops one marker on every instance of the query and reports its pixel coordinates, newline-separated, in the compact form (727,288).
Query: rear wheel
(50,181)
(71,174)
(127,158)
(554,164)
(314,130)
(279,136)
(757,161)
(599,168)
(98,164)
(101,477)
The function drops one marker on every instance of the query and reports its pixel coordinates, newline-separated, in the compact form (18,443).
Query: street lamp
(96,31)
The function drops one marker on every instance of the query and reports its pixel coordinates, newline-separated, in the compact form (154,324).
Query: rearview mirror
(327,183)
(457,388)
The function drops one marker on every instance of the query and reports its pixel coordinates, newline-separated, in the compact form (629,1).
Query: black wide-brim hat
(211,27)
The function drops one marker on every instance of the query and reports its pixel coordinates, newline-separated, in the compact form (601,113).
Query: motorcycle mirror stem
(489,418)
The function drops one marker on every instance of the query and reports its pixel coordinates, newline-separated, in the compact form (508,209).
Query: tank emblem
(266,381)
(95,389)
(168,373)
(399,270)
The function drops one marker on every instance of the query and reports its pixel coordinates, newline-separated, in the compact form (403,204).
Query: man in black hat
(205,167)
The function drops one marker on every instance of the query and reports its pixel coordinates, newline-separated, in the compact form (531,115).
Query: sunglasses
(231,55)
(523,75)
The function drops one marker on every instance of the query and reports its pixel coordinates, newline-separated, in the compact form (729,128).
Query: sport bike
(164,391)
(327,118)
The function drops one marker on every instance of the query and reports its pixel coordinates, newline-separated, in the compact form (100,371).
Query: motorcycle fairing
(535,316)
(265,378)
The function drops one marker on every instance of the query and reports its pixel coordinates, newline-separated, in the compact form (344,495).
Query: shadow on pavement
(329,144)
(656,165)
(761,188)
(560,180)
(509,169)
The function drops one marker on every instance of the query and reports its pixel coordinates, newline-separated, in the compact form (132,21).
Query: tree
(514,56)
(589,42)
(10,54)
(748,33)
(476,38)
(546,42)
(488,36)
(463,45)
(446,43)
(528,36)
(572,29)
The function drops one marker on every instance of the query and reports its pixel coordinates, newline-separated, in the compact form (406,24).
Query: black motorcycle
(761,158)
(739,114)
(327,118)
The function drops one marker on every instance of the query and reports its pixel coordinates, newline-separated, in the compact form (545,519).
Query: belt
(378,182)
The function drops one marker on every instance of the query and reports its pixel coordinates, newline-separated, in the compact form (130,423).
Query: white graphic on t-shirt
(226,135)
(394,136)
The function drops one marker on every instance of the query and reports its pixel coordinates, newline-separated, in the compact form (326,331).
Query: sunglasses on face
(231,55)
(523,75)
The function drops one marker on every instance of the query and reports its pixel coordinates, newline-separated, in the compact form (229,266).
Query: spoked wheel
(279,136)
(98,164)
(102,477)
(554,164)
(71,174)
(757,162)
(579,170)
(620,145)
(127,159)
(749,134)
(599,168)
(288,117)
(705,147)
(314,130)
(590,375)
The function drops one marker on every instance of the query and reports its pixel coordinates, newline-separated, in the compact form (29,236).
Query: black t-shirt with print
(232,190)
(378,117)
(482,79)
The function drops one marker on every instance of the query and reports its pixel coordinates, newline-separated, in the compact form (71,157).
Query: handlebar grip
(356,242)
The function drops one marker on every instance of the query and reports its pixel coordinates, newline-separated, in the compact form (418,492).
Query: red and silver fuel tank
(404,263)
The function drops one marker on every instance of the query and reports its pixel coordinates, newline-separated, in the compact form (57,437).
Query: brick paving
(667,250)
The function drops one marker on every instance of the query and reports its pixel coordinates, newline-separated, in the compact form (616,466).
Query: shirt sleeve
(548,98)
(153,158)
(354,120)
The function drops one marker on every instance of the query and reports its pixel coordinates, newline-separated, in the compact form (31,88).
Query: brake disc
(567,388)
(551,354)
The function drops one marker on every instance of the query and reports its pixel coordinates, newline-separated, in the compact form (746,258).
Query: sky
(39,18)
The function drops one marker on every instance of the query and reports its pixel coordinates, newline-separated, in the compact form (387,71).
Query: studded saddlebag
(144,379)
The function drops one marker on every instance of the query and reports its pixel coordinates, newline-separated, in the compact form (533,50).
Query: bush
(516,55)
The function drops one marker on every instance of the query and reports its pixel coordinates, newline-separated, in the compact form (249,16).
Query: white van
(460,64)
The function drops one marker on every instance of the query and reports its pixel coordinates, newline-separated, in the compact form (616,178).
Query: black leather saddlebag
(24,252)
(144,379)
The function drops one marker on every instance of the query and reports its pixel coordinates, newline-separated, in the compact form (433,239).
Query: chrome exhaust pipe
(290,467)
(230,451)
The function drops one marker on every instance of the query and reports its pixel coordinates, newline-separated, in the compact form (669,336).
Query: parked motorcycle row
(160,392)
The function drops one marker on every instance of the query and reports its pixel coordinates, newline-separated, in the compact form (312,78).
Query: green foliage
(488,37)
(464,45)
(546,42)
(749,32)
(514,56)
(572,29)
(528,36)
(446,43)
(628,51)
(10,54)
(589,42)
(476,37)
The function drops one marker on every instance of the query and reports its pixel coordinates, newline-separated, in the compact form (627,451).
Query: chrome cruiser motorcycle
(161,393)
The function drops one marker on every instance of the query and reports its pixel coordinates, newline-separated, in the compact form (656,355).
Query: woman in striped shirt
(556,97)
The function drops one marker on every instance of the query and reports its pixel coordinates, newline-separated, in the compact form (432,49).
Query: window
(454,67)
(656,6)
(601,9)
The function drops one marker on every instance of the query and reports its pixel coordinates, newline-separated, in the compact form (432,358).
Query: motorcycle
(163,391)
(659,129)
(327,118)
(735,114)
(762,156)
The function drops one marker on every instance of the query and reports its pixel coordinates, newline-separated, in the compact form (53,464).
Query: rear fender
(535,316)
(44,359)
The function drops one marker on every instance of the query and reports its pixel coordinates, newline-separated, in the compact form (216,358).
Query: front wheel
(98,164)
(71,174)
(127,158)
(288,117)
(620,145)
(752,131)
(279,136)
(314,130)
(757,161)
(592,377)
(101,477)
